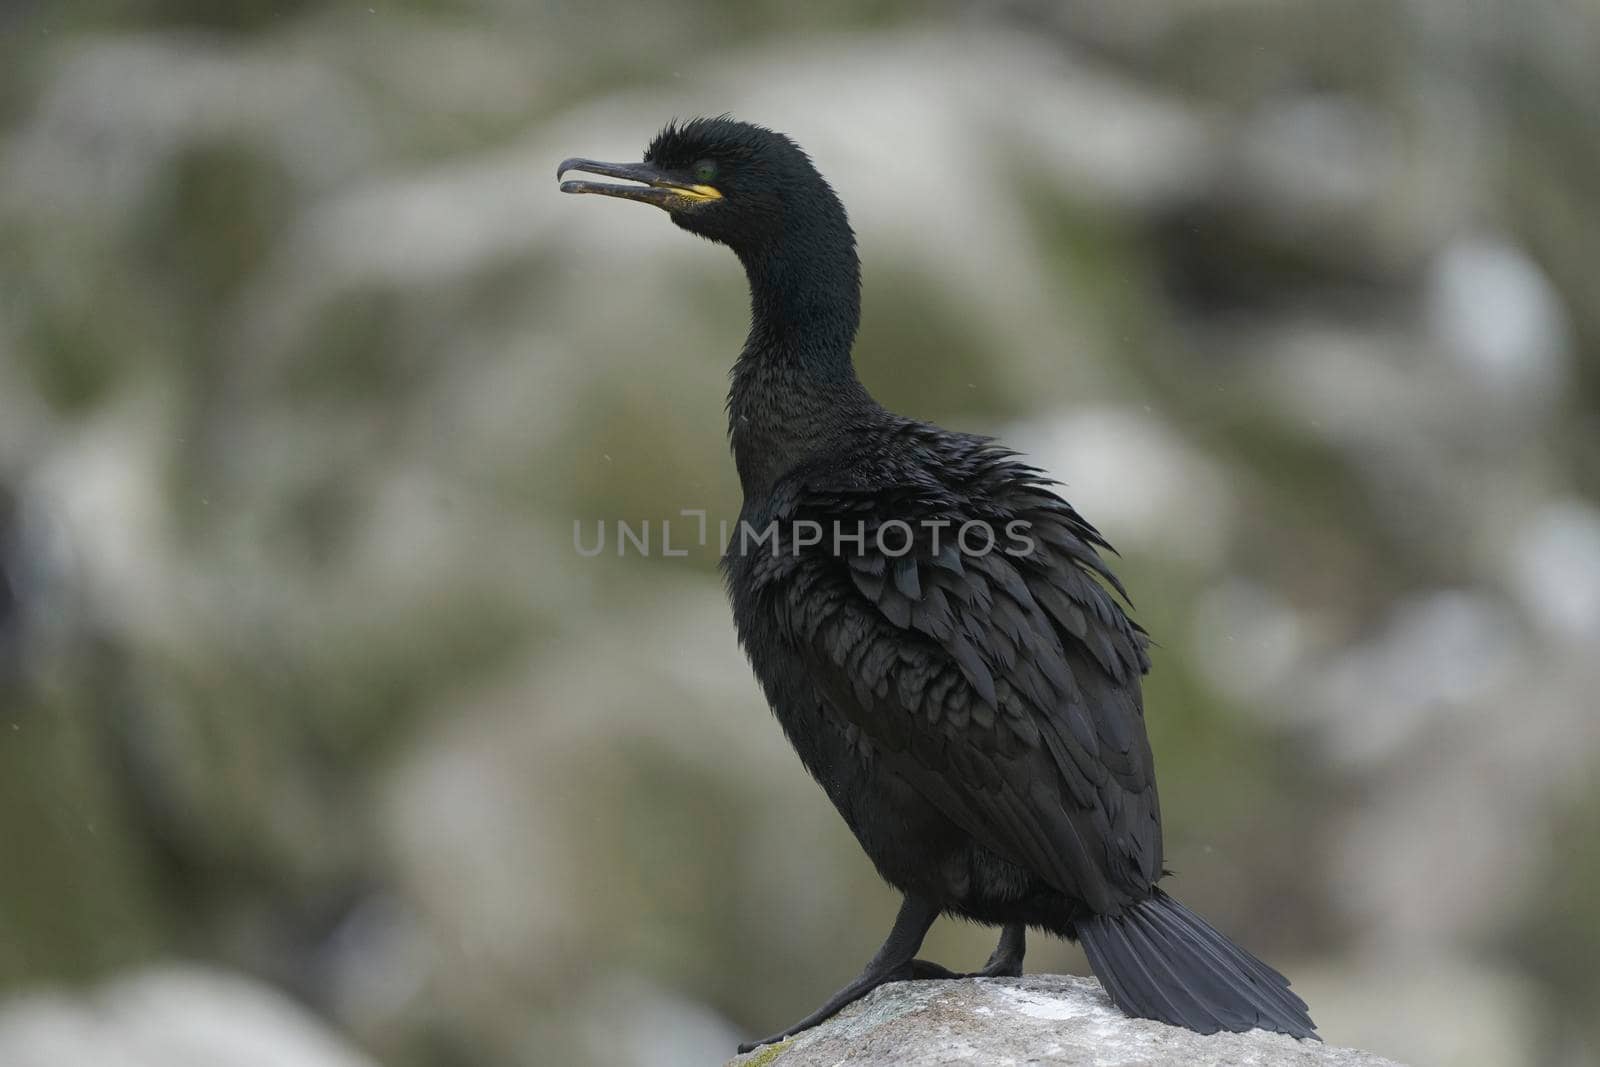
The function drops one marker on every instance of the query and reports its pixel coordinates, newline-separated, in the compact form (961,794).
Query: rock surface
(1036,1019)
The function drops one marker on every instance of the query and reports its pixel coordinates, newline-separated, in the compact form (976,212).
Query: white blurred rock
(1458,727)
(627,1019)
(1308,158)
(1434,663)
(169,1017)
(98,516)
(1183,508)
(1495,314)
(1554,565)
(112,112)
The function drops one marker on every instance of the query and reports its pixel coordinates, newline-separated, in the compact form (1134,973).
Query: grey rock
(1036,1019)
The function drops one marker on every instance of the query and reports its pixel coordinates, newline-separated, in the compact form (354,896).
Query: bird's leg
(1004,962)
(892,963)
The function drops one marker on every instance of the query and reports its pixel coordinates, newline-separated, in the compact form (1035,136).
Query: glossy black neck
(794,388)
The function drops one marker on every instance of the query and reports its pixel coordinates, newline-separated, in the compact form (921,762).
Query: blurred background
(321,743)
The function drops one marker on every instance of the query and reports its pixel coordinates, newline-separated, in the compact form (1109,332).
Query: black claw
(927,969)
(1006,961)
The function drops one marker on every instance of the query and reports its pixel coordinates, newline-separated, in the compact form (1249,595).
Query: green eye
(705,172)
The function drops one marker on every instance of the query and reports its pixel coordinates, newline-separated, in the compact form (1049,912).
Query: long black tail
(1159,960)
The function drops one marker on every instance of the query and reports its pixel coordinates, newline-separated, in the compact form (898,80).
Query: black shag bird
(970,702)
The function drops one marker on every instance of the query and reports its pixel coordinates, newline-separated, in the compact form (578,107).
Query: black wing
(1002,685)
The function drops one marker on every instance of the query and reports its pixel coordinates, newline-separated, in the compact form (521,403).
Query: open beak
(654,186)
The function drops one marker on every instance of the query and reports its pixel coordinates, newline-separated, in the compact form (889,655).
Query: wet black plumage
(975,715)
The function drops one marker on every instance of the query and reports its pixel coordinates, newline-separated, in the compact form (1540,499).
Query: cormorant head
(739,184)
